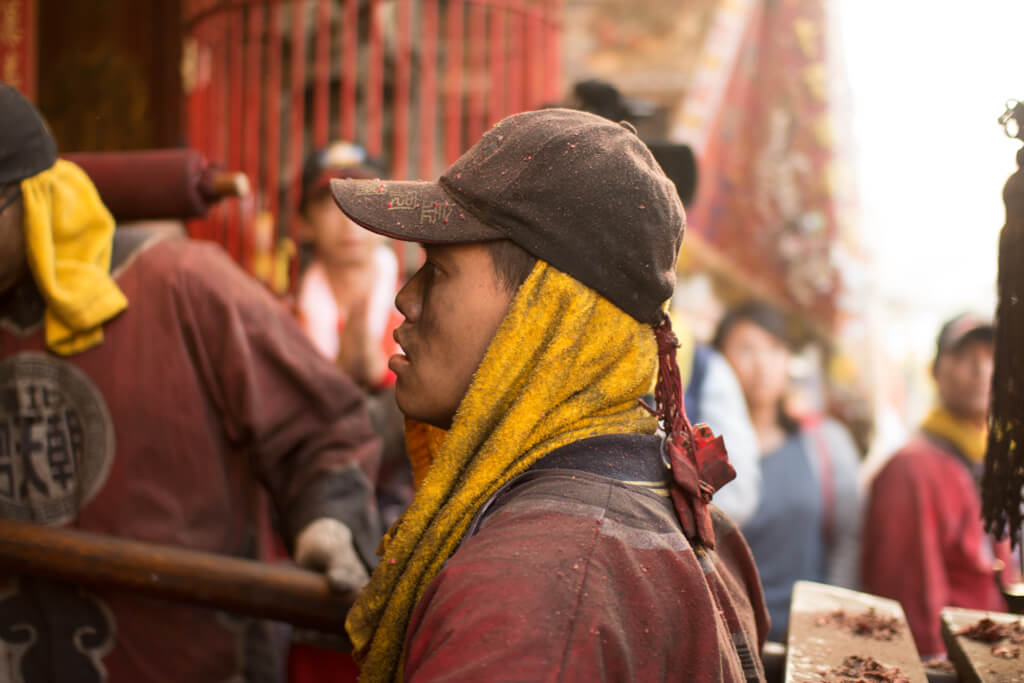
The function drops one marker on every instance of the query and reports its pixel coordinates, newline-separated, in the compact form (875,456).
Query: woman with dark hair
(807,524)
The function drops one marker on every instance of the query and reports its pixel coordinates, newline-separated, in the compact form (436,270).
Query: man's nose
(408,301)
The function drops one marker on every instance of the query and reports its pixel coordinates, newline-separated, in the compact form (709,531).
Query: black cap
(759,313)
(676,159)
(335,160)
(26,146)
(573,189)
(964,327)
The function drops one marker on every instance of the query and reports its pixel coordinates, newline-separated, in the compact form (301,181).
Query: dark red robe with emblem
(201,388)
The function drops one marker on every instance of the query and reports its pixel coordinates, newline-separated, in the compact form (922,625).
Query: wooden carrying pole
(235,585)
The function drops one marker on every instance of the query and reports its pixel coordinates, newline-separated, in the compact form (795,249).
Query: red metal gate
(412,81)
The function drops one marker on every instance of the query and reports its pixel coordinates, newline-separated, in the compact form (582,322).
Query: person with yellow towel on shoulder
(555,533)
(923,539)
(149,389)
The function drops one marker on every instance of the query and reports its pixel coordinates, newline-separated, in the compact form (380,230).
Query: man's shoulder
(163,254)
(919,461)
(546,530)
(920,448)
(160,263)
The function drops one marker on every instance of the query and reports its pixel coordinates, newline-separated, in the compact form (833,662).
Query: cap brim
(410,210)
(984,332)
(323,179)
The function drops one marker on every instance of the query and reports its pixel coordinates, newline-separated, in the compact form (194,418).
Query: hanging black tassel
(1003,481)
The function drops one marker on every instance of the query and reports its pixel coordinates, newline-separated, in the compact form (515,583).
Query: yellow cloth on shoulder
(967,438)
(564,365)
(68,237)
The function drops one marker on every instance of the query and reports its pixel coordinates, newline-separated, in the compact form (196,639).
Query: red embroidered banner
(770,172)
(17,45)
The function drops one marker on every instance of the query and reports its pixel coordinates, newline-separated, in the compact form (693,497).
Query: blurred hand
(325,545)
(359,354)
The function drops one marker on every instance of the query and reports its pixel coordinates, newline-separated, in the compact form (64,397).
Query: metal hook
(1013,118)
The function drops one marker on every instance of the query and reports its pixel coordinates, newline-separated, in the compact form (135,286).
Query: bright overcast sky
(928,80)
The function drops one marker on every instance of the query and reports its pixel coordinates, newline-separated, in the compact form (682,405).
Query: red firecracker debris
(989,631)
(869,624)
(856,669)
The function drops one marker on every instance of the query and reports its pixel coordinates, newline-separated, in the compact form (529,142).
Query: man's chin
(412,408)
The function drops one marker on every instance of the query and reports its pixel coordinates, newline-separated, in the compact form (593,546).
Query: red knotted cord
(699,462)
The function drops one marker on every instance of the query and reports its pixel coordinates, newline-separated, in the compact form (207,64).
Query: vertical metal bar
(349,66)
(251,149)
(197,123)
(534,53)
(322,73)
(498,58)
(296,136)
(553,41)
(236,126)
(218,120)
(477,68)
(453,86)
(428,84)
(375,83)
(514,79)
(401,103)
(272,105)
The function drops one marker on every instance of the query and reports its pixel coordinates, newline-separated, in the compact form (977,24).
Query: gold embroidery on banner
(11,33)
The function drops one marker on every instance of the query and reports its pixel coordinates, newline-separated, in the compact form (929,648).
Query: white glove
(326,545)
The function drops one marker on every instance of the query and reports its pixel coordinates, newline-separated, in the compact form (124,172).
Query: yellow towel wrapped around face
(564,365)
(68,237)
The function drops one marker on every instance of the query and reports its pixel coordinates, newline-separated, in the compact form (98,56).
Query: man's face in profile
(452,306)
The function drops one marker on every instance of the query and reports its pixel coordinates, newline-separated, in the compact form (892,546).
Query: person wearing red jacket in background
(923,540)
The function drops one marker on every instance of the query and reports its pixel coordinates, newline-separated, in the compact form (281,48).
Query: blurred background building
(849,162)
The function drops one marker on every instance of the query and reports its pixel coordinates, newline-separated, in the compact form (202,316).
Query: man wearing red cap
(923,540)
(553,533)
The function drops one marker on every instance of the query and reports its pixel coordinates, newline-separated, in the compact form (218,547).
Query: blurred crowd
(913,533)
(909,528)
(910,531)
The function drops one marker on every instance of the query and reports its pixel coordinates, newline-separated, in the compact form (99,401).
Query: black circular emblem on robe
(56,439)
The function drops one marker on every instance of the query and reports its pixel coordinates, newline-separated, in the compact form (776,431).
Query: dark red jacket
(577,576)
(923,541)
(203,389)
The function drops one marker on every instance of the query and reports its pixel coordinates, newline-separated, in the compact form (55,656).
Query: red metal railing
(412,81)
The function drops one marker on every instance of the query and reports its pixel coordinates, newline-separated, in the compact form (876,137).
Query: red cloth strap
(699,461)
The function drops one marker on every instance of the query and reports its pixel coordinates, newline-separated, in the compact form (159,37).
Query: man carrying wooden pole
(146,386)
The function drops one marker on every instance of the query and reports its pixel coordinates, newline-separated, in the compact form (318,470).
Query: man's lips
(401,358)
